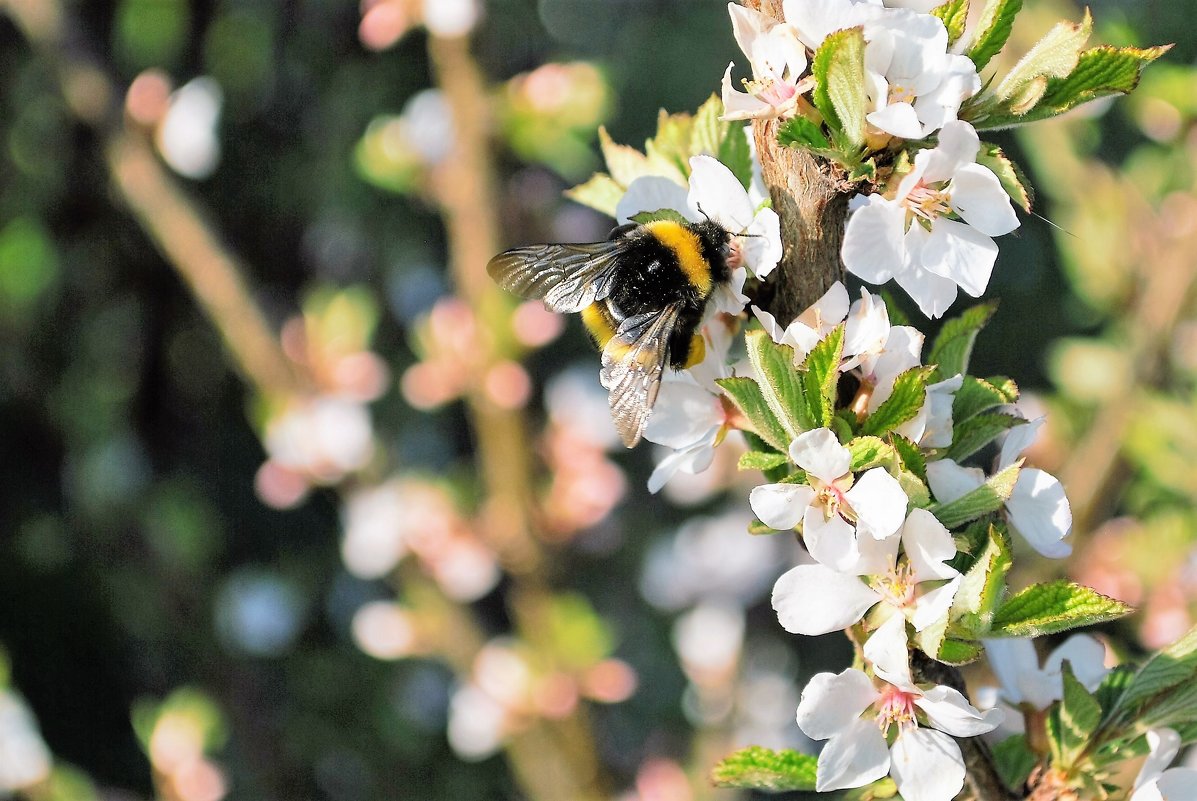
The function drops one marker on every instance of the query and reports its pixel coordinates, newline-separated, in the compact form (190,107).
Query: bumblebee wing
(568,278)
(632,365)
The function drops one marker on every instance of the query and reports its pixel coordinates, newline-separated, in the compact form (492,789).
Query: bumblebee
(641,294)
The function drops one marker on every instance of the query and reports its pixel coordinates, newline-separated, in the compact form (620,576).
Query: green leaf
(1176,707)
(953,346)
(671,145)
(762,460)
(757,768)
(840,94)
(801,132)
(1008,173)
(822,376)
(1166,669)
(954,15)
(978,431)
(1014,760)
(989,497)
(1043,609)
(870,452)
(660,214)
(908,396)
(910,456)
(1054,56)
(1110,691)
(601,193)
(780,383)
(747,396)
(977,395)
(995,25)
(983,585)
(736,155)
(1079,715)
(708,131)
(625,164)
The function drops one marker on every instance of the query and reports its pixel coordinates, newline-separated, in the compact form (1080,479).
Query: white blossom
(855,715)
(835,507)
(1038,508)
(813,20)
(1024,683)
(24,758)
(916,238)
(1156,781)
(814,599)
(915,85)
(778,62)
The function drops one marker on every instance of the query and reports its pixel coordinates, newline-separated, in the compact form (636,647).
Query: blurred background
(294,505)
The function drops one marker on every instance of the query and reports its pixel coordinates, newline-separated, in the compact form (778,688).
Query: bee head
(717,246)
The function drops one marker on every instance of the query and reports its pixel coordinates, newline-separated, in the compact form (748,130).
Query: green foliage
(1054,56)
(781,384)
(994,27)
(840,93)
(1166,669)
(984,585)
(1014,760)
(660,214)
(1010,174)
(601,193)
(870,452)
(801,132)
(822,373)
(953,346)
(1043,609)
(762,460)
(987,498)
(977,395)
(954,15)
(908,396)
(973,434)
(757,768)
(748,397)
(1078,714)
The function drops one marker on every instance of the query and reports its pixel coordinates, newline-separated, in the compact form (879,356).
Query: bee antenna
(703,213)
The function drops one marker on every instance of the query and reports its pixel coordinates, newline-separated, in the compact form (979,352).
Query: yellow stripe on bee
(698,352)
(685,245)
(598,322)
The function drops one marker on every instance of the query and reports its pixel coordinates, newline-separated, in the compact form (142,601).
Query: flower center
(895,708)
(898,585)
(771,90)
(901,94)
(831,497)
(927,202)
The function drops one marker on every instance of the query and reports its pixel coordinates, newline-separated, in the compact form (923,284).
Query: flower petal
(717,192)
(899,119)
(1039,511)
(814,600)
(652,193)
(739,105)
(692,459)
(1164,744)
(887,649)
(933,606)
(853,758)
(831,541)
(832,702)
(1011,659)
(1177,784)
(821,455)
(1087,657)
(927,765)
(873,246)
(958,146)
(1017,440)
(761,246)
(928,545)
(683,414)
(949,711)
(879,503)
(960,252)
(949,481)
(978,197)
(780,506)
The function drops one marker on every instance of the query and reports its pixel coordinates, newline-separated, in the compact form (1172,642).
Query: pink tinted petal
(651,193)
(928,545)
(932,606)
(854,758)
(719,193)
(961,253)
(739,105)
(832,542)
(1087,657)
(1039,511)
(949,481)
(780,506)
(873,243)
(821,455)
(832,702)
(887,649)
(949,711)
(898,119)
(879,503)
(814,600)
(927,766)
(978,197)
